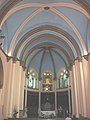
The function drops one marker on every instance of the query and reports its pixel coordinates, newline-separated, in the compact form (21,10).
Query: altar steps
(34,119)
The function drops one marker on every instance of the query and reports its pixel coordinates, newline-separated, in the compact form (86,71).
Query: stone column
(26,93)
(26,81)
(85,84)
(79,86)
(39,109)
(83,101)
(69,99)
(22,91)
(9,77)
(72,93)
(1,106)
(18,74)
(55,95)
(88,101)
(12,91)
(76,93)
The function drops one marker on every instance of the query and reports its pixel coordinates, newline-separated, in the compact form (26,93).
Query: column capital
(27,75)
(72,62)
(89,53)
(8,58)
(14,60)
(79,58)
(2,37)
(86,57)
(24,68)
(40,79)
(21,63)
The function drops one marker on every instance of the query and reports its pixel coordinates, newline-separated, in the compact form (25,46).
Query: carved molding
(79,58)
(24,68)
(9,58)
(2,37)
(86,57)
(72,62)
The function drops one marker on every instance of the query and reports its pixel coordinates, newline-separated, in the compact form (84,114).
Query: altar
(48,114)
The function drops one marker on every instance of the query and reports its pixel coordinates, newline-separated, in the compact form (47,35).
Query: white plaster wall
(12,93)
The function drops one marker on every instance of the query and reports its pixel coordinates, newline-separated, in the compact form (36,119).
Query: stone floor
(45,119)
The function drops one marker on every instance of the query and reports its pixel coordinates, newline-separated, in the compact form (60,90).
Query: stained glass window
(63,79)
(32,79)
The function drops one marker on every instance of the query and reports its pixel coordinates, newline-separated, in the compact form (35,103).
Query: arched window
(1,74)
(63,79)
(32,79)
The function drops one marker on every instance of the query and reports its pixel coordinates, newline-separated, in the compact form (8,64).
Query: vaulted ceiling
(45,34)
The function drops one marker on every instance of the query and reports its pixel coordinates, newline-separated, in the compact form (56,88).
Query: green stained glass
(63,80)
(32,80)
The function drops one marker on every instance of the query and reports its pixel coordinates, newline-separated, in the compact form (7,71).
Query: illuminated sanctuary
(44,59)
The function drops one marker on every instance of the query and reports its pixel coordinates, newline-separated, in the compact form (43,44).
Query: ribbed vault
(46,27)
(35,38)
